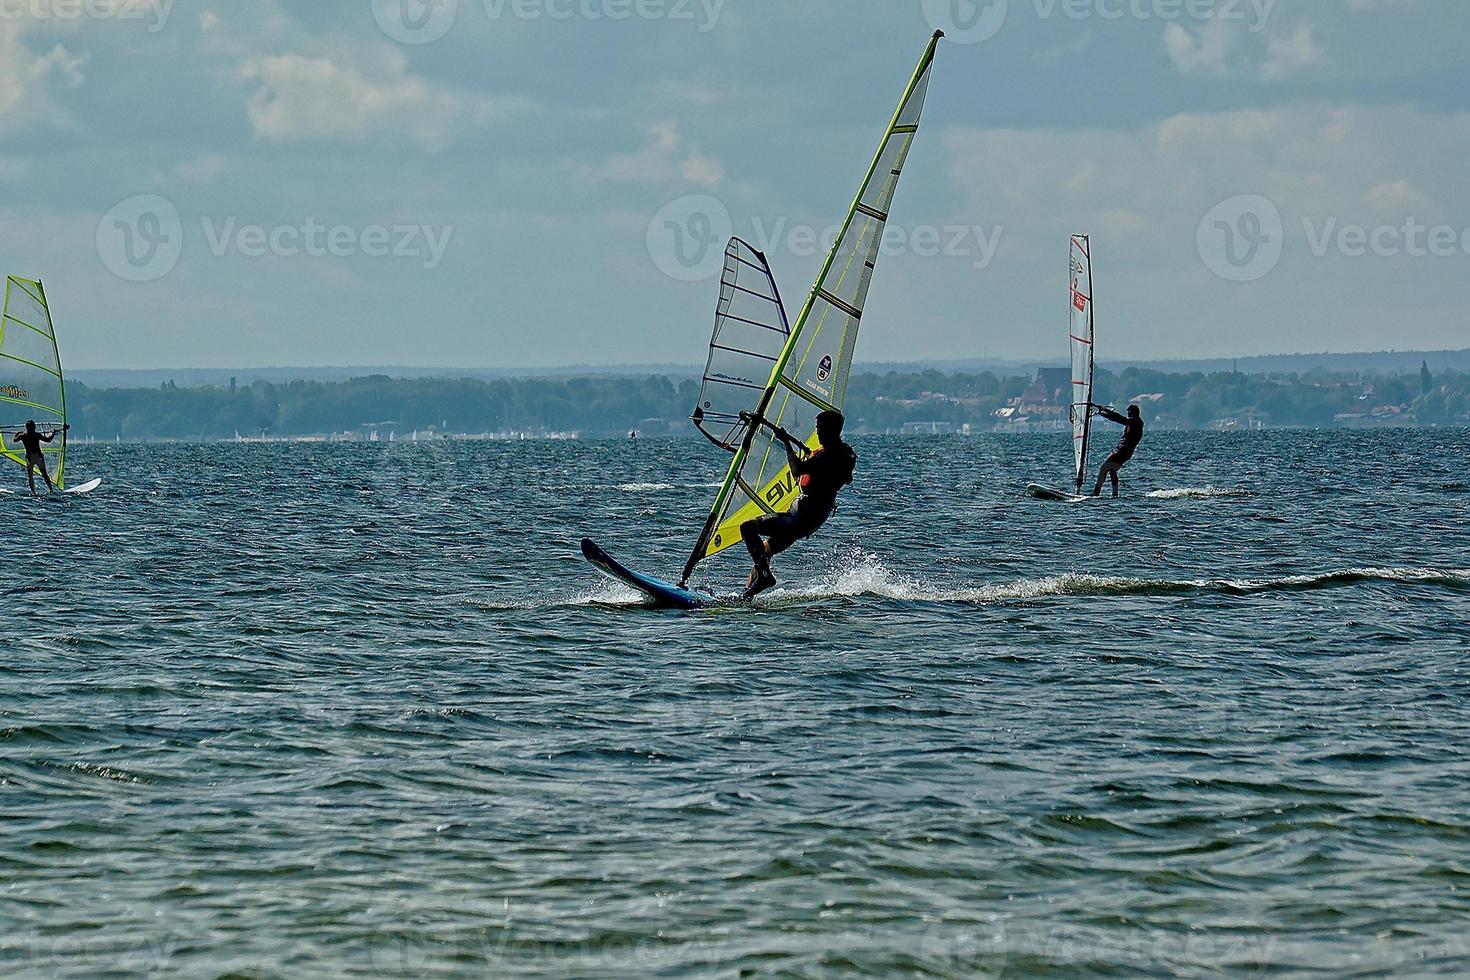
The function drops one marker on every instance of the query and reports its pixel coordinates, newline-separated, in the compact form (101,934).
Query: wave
(868,576)
(1196,493)
(605,592)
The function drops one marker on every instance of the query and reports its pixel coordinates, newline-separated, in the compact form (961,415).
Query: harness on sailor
(806,478)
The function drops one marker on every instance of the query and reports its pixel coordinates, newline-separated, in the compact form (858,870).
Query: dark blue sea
(361,710)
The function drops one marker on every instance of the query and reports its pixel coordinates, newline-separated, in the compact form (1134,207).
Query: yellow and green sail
(31,385)
(810,372)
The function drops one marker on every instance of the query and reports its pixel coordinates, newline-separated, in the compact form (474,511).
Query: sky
(540,183)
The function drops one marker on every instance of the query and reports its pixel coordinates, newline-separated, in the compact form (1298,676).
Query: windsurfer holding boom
(821,473)
(35,459)
(1132,424)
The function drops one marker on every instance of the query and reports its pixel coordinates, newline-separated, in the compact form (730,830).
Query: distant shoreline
(917,403)
(1374,361)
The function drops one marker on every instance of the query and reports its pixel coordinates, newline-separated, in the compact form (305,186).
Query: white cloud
(204,169)
(1288,54)
(307,90)
(1396,197)
(353,97)
(25,74)
(1082,180)
(665,158)
(1203,52)
(1143,193)
(1122,221)
(1222,48)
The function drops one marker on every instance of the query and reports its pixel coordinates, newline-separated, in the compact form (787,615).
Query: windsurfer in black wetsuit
(1132,424)
(821,474)
(35,459)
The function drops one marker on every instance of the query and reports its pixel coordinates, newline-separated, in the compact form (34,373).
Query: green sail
(31,383)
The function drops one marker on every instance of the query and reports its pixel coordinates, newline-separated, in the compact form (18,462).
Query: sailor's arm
(797,462)
(786,439)
(1111,415)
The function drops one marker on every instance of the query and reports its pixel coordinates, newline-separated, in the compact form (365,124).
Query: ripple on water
(363,711)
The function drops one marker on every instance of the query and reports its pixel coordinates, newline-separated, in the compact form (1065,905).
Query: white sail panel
(751,331)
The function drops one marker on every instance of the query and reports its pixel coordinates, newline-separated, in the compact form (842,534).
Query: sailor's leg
(778,543)
(31,476)
(47,477)
(1109,468)
(773,525)
(750,533)
(760,556)
(1114,473)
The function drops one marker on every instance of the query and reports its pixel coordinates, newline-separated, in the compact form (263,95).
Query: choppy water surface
(362,710)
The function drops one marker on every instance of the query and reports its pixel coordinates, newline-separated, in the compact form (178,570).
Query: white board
(1061,496)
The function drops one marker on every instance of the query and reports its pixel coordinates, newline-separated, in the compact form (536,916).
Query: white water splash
(863,574)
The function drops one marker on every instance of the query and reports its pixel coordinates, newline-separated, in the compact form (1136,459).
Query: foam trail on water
(866,575)
(605,592)
(1196,493)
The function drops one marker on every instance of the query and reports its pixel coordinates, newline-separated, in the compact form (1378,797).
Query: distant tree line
(659,405)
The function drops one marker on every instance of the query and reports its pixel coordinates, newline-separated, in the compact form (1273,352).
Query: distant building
(1057,383)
